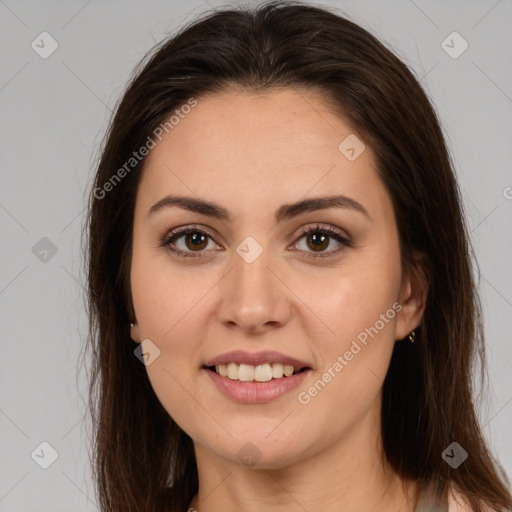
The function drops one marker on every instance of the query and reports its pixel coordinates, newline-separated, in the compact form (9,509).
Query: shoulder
(458,503)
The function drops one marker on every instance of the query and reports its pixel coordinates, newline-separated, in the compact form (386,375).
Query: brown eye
(196,240)
(318,241)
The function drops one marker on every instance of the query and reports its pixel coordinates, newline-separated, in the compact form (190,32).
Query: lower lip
(256,392)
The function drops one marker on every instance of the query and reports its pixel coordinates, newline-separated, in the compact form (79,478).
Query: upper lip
(256,358)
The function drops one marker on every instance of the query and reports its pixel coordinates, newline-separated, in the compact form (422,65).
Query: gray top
(430,502)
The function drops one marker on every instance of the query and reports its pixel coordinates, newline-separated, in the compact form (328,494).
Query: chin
(260,452)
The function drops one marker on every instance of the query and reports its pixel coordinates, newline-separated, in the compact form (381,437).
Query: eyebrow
(284,212)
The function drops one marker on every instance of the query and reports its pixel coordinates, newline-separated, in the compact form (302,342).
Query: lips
(256,359)
(255,377)
(256,392)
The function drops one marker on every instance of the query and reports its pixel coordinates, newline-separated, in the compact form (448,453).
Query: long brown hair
(142,460)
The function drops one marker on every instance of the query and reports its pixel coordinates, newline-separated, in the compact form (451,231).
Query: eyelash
(168,241)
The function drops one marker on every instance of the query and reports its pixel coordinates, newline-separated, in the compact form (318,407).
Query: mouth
(248,384)
(256,377)
(248,373)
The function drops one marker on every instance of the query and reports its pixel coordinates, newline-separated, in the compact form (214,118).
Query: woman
(283,311)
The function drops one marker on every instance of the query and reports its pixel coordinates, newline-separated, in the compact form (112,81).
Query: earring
(131,326)
(412,336)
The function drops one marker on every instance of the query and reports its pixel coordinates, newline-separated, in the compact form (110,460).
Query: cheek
(170,308)
(165,295)
(175,321)
(352,298)
(358,310)
(355,359)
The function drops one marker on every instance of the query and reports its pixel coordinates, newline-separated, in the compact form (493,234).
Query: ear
(413,296)
(135,333)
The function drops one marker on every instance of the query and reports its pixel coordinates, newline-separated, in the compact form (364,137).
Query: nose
(253,296)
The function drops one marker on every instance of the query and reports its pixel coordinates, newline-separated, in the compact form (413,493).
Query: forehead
(245,148)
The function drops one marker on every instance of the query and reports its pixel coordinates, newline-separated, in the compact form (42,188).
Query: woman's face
(247,280)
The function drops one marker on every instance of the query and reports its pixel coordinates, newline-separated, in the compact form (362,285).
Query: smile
(260,373)
(255,377)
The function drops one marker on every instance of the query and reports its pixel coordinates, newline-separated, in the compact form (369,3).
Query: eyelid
(181,230)
(343,239)
(176,233)
(331,231)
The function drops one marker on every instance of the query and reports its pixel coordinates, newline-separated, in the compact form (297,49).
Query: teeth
(288,370)
(263,372)
(277,370)
(233,371)
(245,373)
(260,373)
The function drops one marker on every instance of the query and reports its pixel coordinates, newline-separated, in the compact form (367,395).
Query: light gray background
(54,113)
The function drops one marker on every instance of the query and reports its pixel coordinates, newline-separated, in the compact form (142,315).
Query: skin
(251,153)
